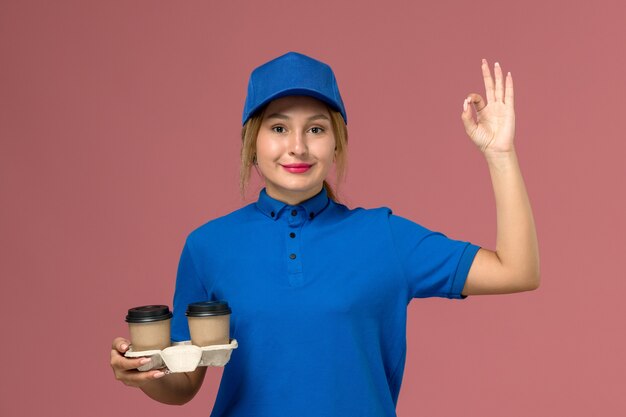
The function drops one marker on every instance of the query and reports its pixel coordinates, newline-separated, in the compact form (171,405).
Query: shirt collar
(272,207)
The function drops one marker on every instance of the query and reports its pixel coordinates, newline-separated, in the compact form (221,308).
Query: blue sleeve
(189,289)
(433,264)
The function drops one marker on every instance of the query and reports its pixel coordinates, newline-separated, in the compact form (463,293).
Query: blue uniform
(319,296)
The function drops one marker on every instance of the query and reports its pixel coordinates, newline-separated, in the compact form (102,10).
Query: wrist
(500,155)
(501,160)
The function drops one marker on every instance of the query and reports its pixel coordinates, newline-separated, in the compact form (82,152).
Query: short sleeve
(434,265)
(189,289)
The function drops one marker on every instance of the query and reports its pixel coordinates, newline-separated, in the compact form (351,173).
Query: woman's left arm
(514,266)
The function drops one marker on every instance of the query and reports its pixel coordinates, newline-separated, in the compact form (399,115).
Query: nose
(297,144)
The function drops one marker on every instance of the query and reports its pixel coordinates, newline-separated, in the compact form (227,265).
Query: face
(295,148)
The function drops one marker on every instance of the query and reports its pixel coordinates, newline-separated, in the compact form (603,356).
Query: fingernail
(497,64)
(144,361)
(124,346)
(159,375)
(465,105)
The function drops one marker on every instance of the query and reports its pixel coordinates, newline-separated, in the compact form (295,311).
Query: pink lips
(297,168)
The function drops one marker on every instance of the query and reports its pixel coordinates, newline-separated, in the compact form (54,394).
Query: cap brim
(293,92)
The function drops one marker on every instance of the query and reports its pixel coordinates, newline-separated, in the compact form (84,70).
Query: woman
(319,291)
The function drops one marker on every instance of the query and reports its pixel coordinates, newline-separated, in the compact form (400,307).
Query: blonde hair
(249,134)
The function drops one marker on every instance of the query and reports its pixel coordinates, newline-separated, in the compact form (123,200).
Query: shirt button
(292,256)
(294,212)
(292,235)
(311,216)
(272,214)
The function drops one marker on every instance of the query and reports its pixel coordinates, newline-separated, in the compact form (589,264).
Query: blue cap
(292,74)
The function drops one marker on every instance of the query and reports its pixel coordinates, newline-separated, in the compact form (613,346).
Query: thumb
(120,344)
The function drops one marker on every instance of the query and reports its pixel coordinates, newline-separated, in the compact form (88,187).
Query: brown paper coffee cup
(149,327)
(209,323)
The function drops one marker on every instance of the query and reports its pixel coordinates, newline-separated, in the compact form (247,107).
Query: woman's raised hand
(493,130)
(125,369)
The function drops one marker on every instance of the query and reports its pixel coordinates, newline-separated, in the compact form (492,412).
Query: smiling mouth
(297,168)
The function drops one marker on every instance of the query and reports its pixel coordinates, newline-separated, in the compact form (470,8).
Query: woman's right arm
(175,388)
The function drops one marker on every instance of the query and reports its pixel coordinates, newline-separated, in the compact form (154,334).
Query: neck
(290,197)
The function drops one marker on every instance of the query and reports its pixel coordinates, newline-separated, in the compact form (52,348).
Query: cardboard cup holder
(184,357)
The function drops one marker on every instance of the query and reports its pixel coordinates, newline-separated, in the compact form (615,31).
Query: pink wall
(119,126)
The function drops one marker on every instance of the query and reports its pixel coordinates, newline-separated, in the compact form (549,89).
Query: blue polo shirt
(319,296)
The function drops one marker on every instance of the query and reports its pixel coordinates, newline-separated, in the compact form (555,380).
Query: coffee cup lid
(208,308)
(146,314)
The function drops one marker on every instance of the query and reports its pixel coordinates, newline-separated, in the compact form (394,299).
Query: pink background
(119,128)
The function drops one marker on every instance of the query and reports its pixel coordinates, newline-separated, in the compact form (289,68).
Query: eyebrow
(285,117)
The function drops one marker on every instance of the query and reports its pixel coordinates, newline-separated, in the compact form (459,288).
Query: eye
(317,129)
(278,129)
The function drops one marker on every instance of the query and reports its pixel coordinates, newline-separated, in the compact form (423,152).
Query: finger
(499,93)
(125,364)
(489,87)
(509,97)
(134,363)
(120,344)
(136,378)
(477,101)
(139,378)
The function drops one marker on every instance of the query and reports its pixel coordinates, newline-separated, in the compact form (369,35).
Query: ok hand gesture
(494,128)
